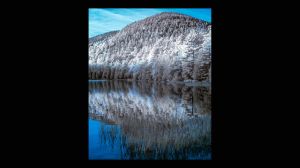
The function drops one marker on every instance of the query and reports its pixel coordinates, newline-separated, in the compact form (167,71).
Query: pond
(131,120)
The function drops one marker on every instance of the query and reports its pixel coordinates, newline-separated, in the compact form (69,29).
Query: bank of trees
(164,47)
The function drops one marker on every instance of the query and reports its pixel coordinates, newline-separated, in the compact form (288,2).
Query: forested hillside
(166,46)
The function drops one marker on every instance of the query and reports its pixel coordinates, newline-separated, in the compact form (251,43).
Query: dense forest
(163,47)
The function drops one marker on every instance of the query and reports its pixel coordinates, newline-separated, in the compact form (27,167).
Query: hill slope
(166,46)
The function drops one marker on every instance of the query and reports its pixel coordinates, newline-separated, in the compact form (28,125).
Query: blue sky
(108,19)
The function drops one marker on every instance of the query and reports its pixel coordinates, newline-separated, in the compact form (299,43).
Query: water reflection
(139,120)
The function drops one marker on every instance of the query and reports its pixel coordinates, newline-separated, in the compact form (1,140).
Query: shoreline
(188,83)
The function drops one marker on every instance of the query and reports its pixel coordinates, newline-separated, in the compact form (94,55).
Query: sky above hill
(109,19)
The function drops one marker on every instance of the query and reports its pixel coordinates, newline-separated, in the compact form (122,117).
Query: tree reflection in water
(157,121)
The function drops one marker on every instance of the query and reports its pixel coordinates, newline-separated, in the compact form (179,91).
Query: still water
(144,120)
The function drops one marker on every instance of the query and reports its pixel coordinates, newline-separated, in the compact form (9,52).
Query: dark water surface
(144,120)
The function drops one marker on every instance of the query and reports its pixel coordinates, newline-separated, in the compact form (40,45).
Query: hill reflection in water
(144,120)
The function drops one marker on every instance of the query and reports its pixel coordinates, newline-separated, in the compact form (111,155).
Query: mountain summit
(164,47)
